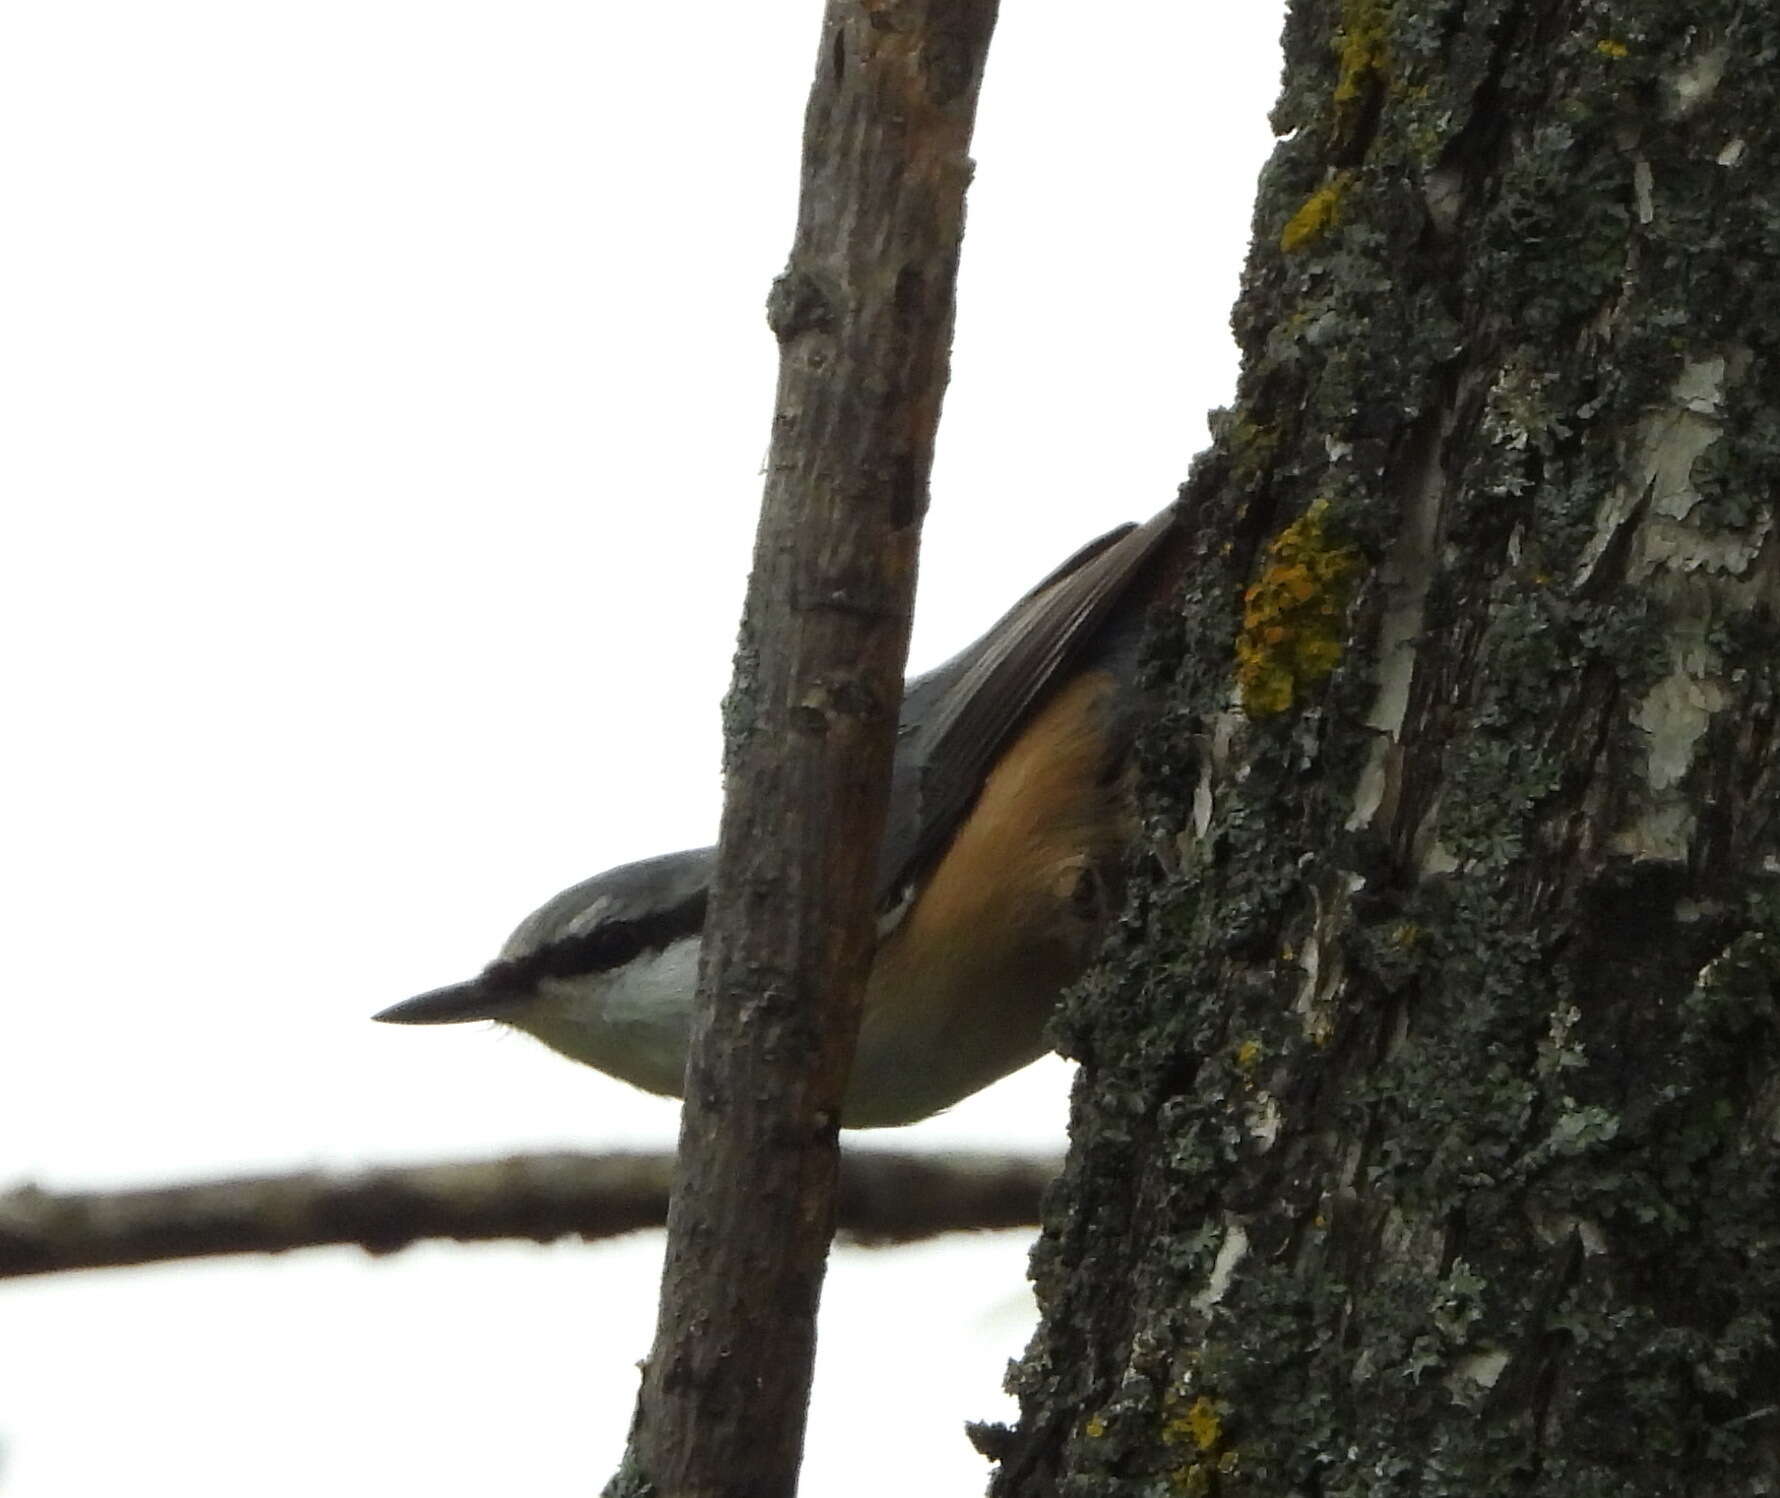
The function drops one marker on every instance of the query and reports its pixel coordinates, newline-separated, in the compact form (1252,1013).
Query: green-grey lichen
(1518,1227)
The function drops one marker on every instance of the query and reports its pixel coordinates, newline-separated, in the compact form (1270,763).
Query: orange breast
(961,990)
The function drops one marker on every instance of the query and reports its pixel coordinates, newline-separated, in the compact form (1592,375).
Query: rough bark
(1425,1140)
(884,1198)
(863,315)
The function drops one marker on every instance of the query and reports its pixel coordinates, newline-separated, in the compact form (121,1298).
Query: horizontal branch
(885,1198)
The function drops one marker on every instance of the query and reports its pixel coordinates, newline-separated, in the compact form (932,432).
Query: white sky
(383,392)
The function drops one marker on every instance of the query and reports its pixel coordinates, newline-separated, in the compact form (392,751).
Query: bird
(1009,819)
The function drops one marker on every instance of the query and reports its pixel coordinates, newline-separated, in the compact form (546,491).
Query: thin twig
(885,1198)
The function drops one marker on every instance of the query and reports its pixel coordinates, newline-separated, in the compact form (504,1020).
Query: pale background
(383,392)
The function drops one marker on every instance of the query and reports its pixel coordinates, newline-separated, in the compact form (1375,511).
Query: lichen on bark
(1424,1141)
(1293,614)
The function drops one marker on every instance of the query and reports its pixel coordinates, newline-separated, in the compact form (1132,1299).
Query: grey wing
(957,718)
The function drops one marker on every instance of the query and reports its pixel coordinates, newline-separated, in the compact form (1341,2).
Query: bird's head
(603,973)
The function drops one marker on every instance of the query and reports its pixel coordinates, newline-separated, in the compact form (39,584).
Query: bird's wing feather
(957,719)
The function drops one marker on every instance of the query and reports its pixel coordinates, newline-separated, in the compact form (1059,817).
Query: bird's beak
(452,1006)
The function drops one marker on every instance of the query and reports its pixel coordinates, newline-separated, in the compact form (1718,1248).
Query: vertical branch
(863,315)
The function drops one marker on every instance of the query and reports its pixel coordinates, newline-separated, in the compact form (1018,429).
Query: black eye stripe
(606,947)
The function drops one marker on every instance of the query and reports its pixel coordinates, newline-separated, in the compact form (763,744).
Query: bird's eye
(619,943)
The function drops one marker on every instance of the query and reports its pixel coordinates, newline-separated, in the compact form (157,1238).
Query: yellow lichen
(1095,1426)
(1361,57)
(1192,1479)
(1248,1054)
(1199,1424)
(1204,1424)
(1608,47)
(1200,1428)
(1292,615)
(1316,216)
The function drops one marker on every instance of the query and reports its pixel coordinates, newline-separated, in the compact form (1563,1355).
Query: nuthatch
(1009,815)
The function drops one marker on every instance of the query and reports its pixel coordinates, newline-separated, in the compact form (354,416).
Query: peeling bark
(1425,1136)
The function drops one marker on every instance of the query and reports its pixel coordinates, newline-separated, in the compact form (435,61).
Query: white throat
(633,1022)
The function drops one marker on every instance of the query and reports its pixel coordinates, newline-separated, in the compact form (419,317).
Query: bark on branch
(884,1198)
(863,315)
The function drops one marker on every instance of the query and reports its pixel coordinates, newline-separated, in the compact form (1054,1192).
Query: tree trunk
(1425,1137)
